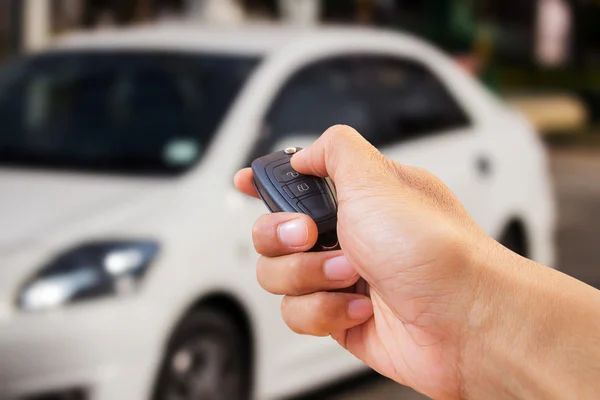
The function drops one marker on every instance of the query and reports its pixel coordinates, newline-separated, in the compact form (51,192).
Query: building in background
(515,30)
(537,45)
(4,28)
(41,20)
(9,32)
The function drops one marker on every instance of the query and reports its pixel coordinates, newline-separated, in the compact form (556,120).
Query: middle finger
(302,273)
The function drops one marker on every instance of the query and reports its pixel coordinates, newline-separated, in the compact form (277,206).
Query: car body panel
(114,345)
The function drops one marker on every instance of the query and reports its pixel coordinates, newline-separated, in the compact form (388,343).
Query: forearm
(536,334)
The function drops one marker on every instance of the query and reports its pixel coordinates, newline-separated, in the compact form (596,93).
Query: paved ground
(577,184)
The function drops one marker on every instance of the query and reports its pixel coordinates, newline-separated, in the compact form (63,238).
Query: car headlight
(88,271)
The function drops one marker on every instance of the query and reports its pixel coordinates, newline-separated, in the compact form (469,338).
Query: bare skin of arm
(451,312)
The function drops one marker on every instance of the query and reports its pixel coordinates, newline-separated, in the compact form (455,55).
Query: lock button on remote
(303,187)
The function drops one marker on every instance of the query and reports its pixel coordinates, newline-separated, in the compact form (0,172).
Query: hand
(451,312)
(406,234)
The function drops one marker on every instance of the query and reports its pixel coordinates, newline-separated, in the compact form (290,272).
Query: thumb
(341,153)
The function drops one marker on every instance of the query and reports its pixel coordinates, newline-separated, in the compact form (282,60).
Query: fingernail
(293,233)
(360,309)
(339,269)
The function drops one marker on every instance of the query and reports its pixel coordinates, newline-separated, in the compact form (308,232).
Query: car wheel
(207,359)
(514,239)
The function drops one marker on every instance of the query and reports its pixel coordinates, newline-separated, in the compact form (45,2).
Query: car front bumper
(107,349)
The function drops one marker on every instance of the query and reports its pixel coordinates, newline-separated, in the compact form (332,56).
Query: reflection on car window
(406,99)
(121,111)
(386,99)
(316,99)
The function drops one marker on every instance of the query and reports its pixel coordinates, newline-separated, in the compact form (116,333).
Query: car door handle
(484,166)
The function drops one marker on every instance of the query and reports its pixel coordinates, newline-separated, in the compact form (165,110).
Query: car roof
(244,39)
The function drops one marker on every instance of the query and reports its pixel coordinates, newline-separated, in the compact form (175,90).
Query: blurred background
(541,56)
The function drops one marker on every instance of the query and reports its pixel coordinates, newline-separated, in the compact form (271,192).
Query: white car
(126,261)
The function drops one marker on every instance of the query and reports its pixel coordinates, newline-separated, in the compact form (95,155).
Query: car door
(363,91)
(308,101)
(418,120)
(400,105)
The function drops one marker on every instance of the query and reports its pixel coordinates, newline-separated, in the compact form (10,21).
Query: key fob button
(283,189)
(318,207)
(303,187)
(285,173)
(289,193)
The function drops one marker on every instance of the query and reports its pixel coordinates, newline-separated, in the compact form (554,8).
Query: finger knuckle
(343,133)
(262,274)
(295,273)
(319,301)
(288,315)
(257,233)
(323,313)
(342,130)
(397,170)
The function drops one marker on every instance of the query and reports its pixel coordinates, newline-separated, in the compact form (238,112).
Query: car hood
(34,205)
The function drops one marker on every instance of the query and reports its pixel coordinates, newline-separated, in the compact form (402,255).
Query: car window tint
(386,99)
(155,106)
(406,100)
(315,98)
(134,109)
(122,111)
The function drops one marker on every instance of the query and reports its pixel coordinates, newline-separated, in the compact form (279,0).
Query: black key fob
(282,189)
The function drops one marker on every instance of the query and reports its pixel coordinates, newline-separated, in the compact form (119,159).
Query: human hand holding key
(283,189)
(444,296)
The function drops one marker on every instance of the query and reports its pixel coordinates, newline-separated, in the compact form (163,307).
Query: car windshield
(126,112)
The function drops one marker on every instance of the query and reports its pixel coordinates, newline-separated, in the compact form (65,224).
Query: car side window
(406,100)
(387,99)
(318,96)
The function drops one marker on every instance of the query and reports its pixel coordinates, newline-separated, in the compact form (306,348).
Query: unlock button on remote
(285,173)
(303,187)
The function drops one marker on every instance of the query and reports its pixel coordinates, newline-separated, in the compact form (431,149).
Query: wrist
(531,332)
(505,330)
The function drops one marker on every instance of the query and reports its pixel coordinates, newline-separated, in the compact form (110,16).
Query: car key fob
(282,189)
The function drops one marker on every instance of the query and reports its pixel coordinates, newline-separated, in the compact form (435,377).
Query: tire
(207,359)
(514,239)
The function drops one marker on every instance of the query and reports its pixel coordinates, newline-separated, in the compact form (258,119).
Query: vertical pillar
(300,12)
(14,27)
(365,12)
(143,10)
(36,24)
(220,11)
(554,25)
